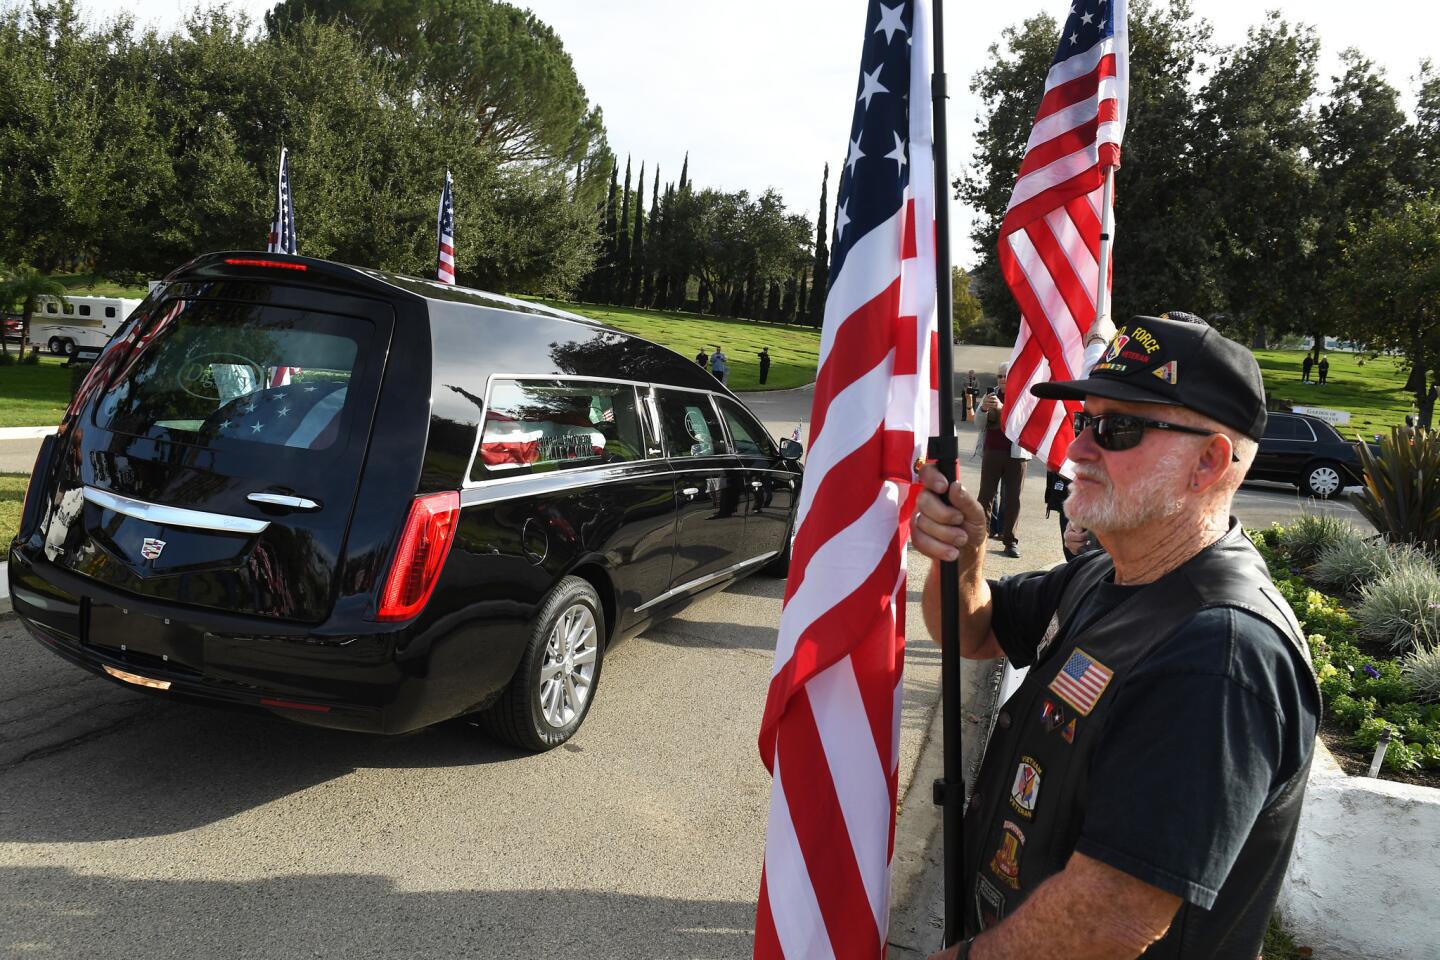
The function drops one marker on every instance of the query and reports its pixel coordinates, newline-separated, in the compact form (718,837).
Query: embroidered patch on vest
(1051,631)
(989,903)
(1006,862)
(1025,792)
(1081,681)
(1069,732)
(1052,716)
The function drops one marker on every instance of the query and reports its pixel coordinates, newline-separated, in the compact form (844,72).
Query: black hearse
(373,502)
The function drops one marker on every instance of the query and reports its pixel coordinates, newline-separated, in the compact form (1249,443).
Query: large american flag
(445,235)
(830,733)
(282,228)
(1050,237)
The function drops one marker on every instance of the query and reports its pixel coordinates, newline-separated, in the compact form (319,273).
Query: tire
(780,566)
(1323,480)
(67,346)
(54,346)
(536,711)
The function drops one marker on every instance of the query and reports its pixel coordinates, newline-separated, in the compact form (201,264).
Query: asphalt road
(135,827)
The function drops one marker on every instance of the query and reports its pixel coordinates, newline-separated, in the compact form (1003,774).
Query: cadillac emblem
(151,548)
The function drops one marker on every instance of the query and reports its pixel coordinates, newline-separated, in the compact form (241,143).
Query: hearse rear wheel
(553,687)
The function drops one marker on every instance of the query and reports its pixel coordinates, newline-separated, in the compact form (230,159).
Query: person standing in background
(1002,465)
(1305,366)
(718,365)
(1324,369)
(702,358)
(764,364)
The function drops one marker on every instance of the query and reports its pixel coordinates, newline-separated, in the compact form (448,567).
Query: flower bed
(1371,662)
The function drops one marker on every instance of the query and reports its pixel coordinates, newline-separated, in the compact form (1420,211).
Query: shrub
(1402,487)
(1350,562)
(7,359)
(1422,671)
(1402,608)
(1312,533)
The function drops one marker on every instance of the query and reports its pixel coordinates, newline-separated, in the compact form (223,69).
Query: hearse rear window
(536,425)
(220,374)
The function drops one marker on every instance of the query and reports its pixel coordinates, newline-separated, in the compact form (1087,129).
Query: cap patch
(1168,372)
(1117,343)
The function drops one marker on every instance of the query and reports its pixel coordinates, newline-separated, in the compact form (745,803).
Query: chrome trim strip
(173,516)
(283,500)
(701,581)
(540,484)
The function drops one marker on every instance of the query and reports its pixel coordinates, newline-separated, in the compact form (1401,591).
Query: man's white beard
(1159,494)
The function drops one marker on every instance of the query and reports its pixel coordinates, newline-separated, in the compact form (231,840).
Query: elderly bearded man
(1142,789)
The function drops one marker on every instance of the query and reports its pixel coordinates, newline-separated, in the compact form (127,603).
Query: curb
(917,872)
(26,433)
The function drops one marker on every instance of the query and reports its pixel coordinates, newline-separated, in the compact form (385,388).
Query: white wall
(1365,879)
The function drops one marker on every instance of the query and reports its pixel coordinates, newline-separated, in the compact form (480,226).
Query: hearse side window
(689,424)
(538,425)
(234,375)
(750,439)
(1282,428)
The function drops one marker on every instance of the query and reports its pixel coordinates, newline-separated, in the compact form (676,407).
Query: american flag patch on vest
(1081,681)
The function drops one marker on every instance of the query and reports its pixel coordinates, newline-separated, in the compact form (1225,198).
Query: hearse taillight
(420,555)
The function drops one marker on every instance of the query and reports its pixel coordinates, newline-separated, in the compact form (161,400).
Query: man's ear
(1214,461)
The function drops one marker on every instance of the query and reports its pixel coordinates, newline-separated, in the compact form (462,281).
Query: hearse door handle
(690,492)
(283,500)
(757,484)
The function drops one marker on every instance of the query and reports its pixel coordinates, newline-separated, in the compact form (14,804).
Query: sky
(760,92)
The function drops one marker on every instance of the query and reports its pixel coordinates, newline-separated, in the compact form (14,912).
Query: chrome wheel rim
(1324,481)
(568,671)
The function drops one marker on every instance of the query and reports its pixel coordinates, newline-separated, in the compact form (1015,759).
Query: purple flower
(1374,674)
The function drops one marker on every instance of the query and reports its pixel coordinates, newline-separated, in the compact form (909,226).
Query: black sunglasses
(1122,431)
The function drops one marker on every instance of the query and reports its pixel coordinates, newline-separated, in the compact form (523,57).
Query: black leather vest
(1018,833)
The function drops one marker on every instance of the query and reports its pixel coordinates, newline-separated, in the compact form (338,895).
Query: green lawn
(34,396)
(1373,394)
(794,351)
(95,285)
(12,494)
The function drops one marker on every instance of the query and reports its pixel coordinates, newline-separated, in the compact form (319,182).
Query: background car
(1309,453)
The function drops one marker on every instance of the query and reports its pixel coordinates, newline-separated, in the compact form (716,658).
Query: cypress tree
(666,294)
(647,293)
(772,302)
(684,172)
(605,273)
(802,308)
(637,252)
(622,243)
(821,270)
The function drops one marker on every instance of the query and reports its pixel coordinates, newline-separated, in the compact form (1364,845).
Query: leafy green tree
(21,289)
(503,62)
(966,311)
(647,292)
(1390,280)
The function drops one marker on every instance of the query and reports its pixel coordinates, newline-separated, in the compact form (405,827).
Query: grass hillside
(1373,393)
(794,351)
(95,285)
(33,395)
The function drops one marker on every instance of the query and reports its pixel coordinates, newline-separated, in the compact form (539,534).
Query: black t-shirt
(1203,736)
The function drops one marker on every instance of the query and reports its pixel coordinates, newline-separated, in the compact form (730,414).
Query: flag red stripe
(820,827)
(1076,90)
(860,344)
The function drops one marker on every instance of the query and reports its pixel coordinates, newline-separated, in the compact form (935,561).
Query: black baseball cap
(1177,359)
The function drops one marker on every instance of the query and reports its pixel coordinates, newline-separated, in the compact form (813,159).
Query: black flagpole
(949,792)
